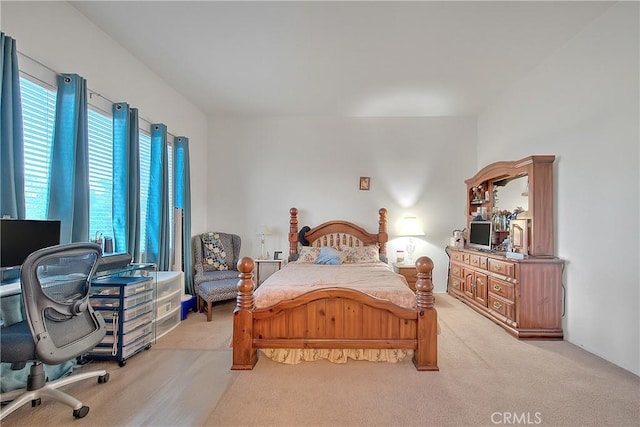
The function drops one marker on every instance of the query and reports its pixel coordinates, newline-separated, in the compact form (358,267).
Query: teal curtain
(157,226)
(12,202)
(69,184)
(183,201)
(126,180)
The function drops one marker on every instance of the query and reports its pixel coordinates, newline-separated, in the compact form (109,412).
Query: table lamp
(410,228)
(262,232)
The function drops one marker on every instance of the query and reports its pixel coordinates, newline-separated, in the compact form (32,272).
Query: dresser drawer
(456,256)
(502,306)
(504,289)
(466,258)
(478,261)
(456,270)
(501,267)
(456,283)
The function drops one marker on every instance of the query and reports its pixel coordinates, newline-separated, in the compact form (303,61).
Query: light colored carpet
(486,377)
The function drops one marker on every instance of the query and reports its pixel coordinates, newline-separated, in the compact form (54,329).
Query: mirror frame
(540,199)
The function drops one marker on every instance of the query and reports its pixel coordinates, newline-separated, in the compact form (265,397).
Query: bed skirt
(293,356)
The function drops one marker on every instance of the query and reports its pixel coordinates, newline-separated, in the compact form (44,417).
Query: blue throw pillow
(329,256)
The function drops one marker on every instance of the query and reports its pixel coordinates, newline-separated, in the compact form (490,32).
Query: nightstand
(265,268)
(409,272)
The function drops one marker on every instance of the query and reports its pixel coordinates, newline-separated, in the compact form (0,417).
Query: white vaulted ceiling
(379,59)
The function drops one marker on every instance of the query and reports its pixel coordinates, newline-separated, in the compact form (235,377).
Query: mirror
(511,193)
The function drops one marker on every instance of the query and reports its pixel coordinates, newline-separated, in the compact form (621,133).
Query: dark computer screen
(21,237)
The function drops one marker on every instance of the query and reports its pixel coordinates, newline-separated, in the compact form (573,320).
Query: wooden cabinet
(409,272)
(475,286)
(538,170)
(524,296)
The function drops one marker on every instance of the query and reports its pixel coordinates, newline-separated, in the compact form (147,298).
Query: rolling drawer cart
(168,302)
(126,300)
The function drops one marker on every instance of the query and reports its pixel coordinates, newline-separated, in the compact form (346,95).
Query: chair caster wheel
(103,378)
(36,402)
(81,413)
(122,363)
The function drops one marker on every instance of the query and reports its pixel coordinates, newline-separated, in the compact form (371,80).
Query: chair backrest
(55,285)
(230,242)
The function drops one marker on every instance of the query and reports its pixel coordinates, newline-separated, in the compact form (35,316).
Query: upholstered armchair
(215,265)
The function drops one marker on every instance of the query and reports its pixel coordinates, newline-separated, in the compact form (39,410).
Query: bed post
(425,358)
(293,232)
(244,355)
(383,237)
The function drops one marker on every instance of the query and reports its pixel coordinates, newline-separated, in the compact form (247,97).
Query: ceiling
(356,59)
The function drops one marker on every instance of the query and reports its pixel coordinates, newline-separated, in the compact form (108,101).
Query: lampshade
(411,227)
(264,231)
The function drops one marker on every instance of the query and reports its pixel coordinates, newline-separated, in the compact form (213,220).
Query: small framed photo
(365,181)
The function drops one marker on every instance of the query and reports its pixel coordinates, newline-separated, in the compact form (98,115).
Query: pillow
(330,256)
(362,254)
(214,255)
(308,254)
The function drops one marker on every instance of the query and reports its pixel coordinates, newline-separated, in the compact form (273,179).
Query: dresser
(524,296)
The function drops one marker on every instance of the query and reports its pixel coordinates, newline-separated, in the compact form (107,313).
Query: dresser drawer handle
(497,268)
(497,305)
(497,288)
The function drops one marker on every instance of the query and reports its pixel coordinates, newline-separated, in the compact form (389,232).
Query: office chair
(60,324)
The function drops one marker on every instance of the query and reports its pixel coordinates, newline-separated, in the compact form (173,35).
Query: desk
(260,276)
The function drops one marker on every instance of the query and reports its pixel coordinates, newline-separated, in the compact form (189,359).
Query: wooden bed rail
(355,320)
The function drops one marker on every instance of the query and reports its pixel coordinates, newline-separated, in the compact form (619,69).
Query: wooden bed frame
(336,318)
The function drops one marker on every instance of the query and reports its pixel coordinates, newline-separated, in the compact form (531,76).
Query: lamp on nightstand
(410,228)
(262,232)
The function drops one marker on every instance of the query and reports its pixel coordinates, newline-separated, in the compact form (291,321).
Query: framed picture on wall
(365,182)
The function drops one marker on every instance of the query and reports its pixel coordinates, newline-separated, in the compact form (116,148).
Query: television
(21,237)
(480,235)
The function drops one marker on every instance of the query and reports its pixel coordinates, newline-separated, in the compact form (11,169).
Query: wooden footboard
(335,318)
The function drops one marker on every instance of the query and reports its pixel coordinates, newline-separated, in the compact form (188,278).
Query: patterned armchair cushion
(218,290)
(212,276)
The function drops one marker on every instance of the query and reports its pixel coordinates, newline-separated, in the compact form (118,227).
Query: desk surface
(9,288)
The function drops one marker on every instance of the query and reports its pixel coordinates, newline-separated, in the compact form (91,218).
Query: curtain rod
(90,91)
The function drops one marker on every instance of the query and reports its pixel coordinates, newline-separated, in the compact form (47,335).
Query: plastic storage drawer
(129,314)
(127,350)
(168,283)
(167,323)
(169,304)
(127,302)
(108,286)
(129,337)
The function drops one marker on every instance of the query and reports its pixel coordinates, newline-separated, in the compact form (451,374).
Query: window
(38,111)
(100,173)
(38,114)
(145,167)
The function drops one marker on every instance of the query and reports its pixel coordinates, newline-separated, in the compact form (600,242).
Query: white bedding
(375,279)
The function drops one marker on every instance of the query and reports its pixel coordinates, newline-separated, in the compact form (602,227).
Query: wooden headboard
(339,234)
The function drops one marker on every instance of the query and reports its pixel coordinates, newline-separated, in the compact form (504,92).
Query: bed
(335,317)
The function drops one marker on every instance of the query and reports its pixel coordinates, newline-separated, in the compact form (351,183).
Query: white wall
(55,34)
(581,104)
(260,168)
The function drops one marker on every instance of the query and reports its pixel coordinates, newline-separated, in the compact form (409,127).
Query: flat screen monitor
(480,235)
(21,237)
